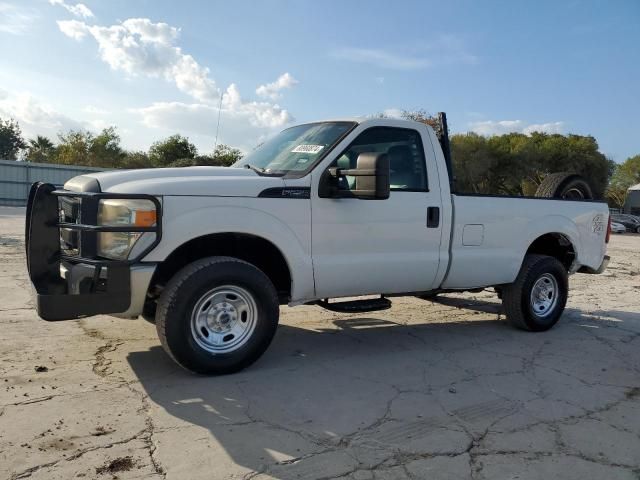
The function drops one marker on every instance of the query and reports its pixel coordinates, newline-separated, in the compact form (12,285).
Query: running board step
(357,306)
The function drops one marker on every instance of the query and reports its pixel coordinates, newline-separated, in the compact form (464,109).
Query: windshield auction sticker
(314,149)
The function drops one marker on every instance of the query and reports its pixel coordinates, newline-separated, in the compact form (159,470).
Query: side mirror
(371,174)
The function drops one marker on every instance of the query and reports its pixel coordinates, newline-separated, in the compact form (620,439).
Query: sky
(157,67)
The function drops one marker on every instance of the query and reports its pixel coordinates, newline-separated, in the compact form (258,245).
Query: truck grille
(69,212)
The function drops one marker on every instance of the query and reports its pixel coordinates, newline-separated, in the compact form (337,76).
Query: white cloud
(73,28)
(35,117)
(95,110)
(551,127)
(98,124)
(442,50)
(382,58)
(490,127)
(242,123)
(16,20)
(259,114)
(138,46)
(272,90)
(152,32)
(393,113)
(79,9)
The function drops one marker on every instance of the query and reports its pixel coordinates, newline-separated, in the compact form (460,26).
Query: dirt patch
(100,431)
(122,464)
(10,241)
(632,392)
(57,444)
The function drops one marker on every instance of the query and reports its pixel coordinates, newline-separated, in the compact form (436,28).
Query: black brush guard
(44,255)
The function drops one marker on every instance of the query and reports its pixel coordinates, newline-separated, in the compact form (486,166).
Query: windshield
(296,149)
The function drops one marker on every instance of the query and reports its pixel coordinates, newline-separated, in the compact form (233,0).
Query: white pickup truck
(348,208)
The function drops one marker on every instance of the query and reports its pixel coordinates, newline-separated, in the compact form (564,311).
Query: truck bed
(491,235)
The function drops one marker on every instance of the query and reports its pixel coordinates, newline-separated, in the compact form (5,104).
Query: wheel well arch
(555,245)
(251,248)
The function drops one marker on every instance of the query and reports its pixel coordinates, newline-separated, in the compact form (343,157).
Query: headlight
(123,212)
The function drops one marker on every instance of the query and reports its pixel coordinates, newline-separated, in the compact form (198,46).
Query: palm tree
(40,149)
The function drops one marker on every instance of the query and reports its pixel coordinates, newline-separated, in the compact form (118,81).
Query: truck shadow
(317,390)
(469,304)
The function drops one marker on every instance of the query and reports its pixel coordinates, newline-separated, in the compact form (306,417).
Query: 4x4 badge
(597,226)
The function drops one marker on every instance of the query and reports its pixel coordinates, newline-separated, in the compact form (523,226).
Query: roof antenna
(215,145)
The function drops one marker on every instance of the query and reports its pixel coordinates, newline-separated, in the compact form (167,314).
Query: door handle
(433,217)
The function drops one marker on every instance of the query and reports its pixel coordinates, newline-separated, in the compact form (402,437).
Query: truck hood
(216,181)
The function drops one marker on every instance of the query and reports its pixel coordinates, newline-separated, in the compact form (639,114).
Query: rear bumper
(600,269)
(75,286)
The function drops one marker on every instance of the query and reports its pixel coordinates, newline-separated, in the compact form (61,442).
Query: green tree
(515,164)
(421,116)
(184,162)
(167,151)
(77,147)
(105,150)
(73,147)
(136,160)
(624,176)
(473,161)
(223,156)
(41,150)
(11,141)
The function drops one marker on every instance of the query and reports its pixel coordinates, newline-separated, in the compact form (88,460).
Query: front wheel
(217,315)
(536,300)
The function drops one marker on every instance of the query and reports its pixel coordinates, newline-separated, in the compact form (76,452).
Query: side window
(404,149)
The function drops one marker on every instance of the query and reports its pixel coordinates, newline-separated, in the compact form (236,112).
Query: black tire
(180,297)
(517,297)
(429,295)
(569,186)
(149,311)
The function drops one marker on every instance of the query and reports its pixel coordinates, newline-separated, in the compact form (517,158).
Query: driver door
(362,247)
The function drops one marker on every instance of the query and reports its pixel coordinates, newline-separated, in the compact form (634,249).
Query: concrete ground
(443,390)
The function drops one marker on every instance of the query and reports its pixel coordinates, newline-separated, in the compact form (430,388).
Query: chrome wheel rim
(224,319)
(544,295)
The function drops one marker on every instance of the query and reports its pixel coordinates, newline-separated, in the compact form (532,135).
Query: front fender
(186,218)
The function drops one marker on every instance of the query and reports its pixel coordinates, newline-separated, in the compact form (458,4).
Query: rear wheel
(217,315)
(536,300)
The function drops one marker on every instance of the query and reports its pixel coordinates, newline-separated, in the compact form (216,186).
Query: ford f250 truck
(322,211)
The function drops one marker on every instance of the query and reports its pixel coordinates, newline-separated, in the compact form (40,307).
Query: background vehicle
(631,222)
(321,211)
(618,228)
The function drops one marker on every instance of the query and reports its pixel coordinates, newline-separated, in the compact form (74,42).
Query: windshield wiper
(258,170)
(262,171)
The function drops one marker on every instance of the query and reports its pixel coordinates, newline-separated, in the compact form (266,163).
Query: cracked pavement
(437,390)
